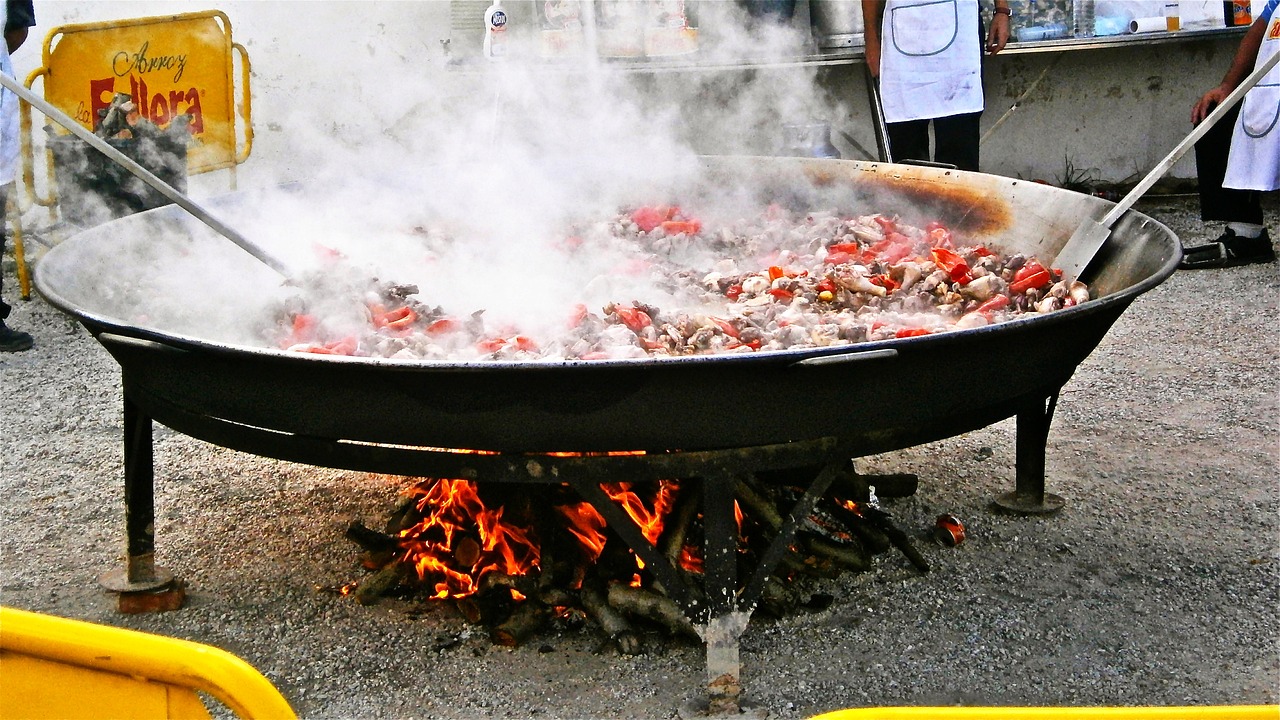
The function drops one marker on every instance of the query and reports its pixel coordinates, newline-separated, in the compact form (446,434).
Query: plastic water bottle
(1082,17)
(1042,32)
(495,31)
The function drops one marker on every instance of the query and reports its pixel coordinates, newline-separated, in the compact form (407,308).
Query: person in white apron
(16,17)
(1239,158)
(927,55)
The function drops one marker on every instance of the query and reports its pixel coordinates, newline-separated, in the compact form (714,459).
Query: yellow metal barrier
(170,65)
(68,669)
(1209,712)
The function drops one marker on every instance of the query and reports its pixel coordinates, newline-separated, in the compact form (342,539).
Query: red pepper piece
(304,328)
(524,343)
(952,264)
(1030,275)
(490,345)
(825,285)
(886,224)
(443,325)
(838,258)
(885,282)
(776,272)
(398,319)
(725,326)
(995,303)
(579,315)
(734,292)
(635,319)
(896,253)
(345,346)
(912,332)
(852,247)
(782,294)
(675,227)
(648,218)
(982,251)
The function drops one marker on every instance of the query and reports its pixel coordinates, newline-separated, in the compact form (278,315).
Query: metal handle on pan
(106,338)
(845,358)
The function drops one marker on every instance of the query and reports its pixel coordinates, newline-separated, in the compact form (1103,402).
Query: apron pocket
(925,28)
(1261,110)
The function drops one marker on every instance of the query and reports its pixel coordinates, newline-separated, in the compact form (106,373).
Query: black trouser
(4,200)
(1216,202)
(956,139)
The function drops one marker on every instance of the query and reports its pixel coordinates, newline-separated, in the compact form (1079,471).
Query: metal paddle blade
(1083,244)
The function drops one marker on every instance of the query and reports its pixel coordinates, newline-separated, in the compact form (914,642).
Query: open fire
(517,558)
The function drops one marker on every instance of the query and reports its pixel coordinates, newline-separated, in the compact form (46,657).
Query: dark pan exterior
(871,398)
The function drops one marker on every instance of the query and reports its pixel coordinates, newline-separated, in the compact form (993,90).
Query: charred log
(651,606)
(381,583)
(524,622)
(615,626)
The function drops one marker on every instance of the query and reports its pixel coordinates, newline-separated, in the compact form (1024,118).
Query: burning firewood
(516,561)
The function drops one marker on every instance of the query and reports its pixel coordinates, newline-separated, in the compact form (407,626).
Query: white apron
(8,121)
(930,59)
(1254,162)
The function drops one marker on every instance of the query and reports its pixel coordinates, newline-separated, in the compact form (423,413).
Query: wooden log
(847,555)
(466,552)
(373,588)
(526,585)
(371,540)
(884,522)
(777,598)
(854,485)
(675,535)
(613,623)
(524,622)
(403,516)
(757,506)
(648,604)
(871,538)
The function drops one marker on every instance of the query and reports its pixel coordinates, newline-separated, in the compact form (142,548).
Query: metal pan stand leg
(1029,496)
(724,622)
(140,573)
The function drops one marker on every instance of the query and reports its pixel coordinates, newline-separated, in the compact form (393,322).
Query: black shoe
(1229,250)
(13,340)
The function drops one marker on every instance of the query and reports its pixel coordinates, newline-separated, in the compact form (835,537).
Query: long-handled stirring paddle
(1091,234)
(145,175)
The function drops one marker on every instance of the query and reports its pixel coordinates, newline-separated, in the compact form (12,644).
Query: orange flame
(588,526)
(451,510)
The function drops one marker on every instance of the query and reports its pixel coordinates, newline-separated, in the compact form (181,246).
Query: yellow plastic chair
(52,667)
(1209,712)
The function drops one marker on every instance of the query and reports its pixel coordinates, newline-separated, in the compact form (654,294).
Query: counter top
(711,61)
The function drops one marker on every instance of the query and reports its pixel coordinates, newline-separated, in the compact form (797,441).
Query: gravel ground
(1157,584)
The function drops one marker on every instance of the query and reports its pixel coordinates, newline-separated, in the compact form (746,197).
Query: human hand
(1207,103)
(998,33)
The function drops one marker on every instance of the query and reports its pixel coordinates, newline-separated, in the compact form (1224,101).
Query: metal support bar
(140,572)
(626,528)
(1029,495)
(787,533)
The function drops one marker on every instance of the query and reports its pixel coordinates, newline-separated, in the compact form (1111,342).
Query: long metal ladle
(145,175)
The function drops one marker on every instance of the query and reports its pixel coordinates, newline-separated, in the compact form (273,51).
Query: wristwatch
(1003,11)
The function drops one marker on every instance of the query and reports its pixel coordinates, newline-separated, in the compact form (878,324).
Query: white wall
(345,70)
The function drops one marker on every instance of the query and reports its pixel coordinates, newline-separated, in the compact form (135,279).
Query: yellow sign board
(171,66)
